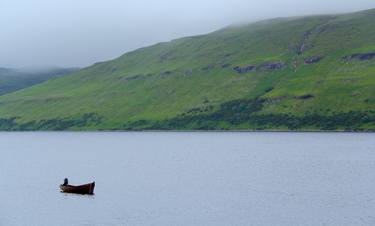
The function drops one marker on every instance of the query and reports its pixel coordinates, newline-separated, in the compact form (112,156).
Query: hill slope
(13,79)
(305,73)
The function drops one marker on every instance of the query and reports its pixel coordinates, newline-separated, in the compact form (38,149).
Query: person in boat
(65,182)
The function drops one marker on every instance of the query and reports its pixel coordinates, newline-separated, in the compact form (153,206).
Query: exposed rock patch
(228,54)
(135,77)
(313,60)
(360,56)
(166,74)
(274,100)
(265,66)
(304,97)
(199,110)
(246,69)
(272,66)
(302,47)
(166,56)
(208,67)
(188,72)
(269,89)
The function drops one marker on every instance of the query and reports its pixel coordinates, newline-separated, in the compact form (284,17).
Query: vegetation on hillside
(305,73)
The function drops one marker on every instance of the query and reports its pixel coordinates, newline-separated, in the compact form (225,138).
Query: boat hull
(86,189)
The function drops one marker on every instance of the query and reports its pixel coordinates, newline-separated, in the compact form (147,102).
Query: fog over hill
(73,33)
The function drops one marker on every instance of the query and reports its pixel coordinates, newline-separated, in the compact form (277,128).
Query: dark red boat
(85,189)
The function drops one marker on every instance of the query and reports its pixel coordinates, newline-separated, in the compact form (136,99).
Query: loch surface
(156,178)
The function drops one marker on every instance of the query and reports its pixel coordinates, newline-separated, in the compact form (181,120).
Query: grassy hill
(14,79)
(303,73)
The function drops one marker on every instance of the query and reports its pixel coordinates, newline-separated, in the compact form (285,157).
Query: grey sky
(81,32)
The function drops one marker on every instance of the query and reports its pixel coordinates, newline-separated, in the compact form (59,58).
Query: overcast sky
(80,32)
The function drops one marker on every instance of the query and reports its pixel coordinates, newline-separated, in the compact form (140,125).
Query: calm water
(188,179)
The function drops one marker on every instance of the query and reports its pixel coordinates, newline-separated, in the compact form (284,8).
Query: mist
(78,33)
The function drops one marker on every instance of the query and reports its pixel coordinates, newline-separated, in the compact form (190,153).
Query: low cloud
(74,33)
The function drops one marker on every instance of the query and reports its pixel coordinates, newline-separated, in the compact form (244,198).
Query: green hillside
(303,73)
(13,79)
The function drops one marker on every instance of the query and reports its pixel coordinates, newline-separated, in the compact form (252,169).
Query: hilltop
(302,73)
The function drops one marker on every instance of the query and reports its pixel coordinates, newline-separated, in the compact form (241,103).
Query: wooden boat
(85,189)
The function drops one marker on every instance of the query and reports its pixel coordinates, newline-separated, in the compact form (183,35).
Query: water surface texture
(188,179)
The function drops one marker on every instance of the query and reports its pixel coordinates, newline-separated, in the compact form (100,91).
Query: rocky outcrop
(272,66)
(225,65)
(277,100)
(360,56)
(246,69)
(188,72)
(166,56)
(208,67)
(265,66)
(166,74)
(304,97)
(135,77)
(313,60)
(274,100)
(228,54)
(302,47)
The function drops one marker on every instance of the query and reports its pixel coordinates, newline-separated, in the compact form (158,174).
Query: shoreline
(183,131)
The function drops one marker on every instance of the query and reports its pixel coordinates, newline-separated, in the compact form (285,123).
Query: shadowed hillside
(13,79)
